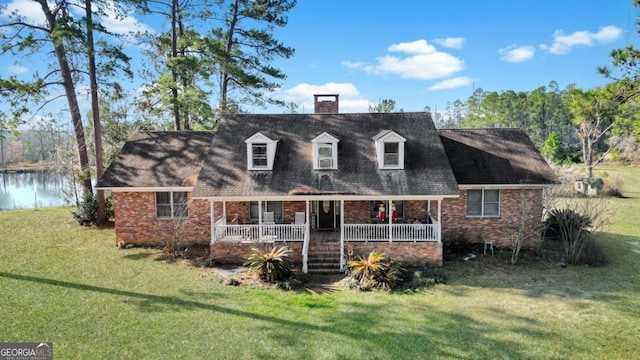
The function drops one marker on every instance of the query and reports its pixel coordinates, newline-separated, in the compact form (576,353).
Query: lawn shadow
(366,324)
(543,274)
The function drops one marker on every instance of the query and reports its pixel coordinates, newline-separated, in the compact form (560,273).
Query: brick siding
(502,230)
(235,253)
(136,222)
(410,253)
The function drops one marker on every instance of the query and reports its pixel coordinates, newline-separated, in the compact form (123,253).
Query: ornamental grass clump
(270,266)
(376,271)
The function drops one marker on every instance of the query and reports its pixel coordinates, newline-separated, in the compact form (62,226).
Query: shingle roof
(427,171)
(495,156)
(158,159)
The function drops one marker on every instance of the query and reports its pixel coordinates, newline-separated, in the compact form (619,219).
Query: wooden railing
(258,233)
(397,232)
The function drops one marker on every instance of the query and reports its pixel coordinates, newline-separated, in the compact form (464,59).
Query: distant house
(329,185)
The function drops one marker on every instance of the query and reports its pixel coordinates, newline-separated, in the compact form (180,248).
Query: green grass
(71,286)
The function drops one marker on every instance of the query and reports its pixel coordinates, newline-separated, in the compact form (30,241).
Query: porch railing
(399,232)
(252,233)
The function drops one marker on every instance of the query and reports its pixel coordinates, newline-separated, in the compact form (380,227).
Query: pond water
(30,190)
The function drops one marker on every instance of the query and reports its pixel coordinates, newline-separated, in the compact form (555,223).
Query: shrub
(571,228)
(376,271)
(87,210)
(613,185)
(270,266)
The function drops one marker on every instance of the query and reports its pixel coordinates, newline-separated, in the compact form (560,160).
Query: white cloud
(17,69)
(29,10)
(302,94)
(562,44)
(421,61)
(450,42)
(451,83)
(516,54)
(414,47)
(122,24)
(353,64)
(119,24)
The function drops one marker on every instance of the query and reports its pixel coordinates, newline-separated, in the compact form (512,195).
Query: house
(329,185)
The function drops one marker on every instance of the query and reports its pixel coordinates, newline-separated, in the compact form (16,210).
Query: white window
(391,154)
(382,205)
(325,156)
(172,205)
(259,156)
(390,149)
(325,152)
(267,206)
(483,203)
(261,150)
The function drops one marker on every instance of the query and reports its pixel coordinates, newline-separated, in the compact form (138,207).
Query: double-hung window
(391,154)
(483,203)
(259,155)
(325,156)
(325,152)
(390,150)
(267,206)
(172,205)
(375,206)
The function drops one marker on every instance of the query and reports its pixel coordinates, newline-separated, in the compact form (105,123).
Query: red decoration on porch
(381,216)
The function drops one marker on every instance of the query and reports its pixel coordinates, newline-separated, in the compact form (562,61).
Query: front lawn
(71,286)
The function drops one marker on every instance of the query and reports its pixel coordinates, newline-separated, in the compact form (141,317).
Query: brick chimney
(326,104)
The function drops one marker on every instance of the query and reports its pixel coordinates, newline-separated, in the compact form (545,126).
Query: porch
(313,232)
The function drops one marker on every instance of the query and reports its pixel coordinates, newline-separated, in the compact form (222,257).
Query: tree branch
(24,24)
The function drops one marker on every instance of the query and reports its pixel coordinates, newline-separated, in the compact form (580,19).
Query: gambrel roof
(436,161)
(427,171)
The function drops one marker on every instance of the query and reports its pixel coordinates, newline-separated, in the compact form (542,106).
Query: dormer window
(390,149)
(325,152)
(259,155)
(391,154)
(261,150)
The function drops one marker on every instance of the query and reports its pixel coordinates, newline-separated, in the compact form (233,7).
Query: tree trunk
(185,110)
(95,110)
(224,84)
(174,54)
(72,100)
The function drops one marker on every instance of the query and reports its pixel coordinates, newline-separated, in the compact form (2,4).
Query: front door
(326,215)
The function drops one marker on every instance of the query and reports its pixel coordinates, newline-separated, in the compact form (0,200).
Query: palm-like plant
(271,266)
(376,271)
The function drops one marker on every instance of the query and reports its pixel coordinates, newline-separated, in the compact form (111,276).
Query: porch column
(439,219)
(341,235)
(260,221)
(390,220)
(213,222)
(307,238)
(224,212)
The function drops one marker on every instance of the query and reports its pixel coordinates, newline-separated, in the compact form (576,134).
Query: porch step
(324,268)
(324,257)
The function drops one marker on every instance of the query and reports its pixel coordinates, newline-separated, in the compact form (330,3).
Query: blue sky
(425,53)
